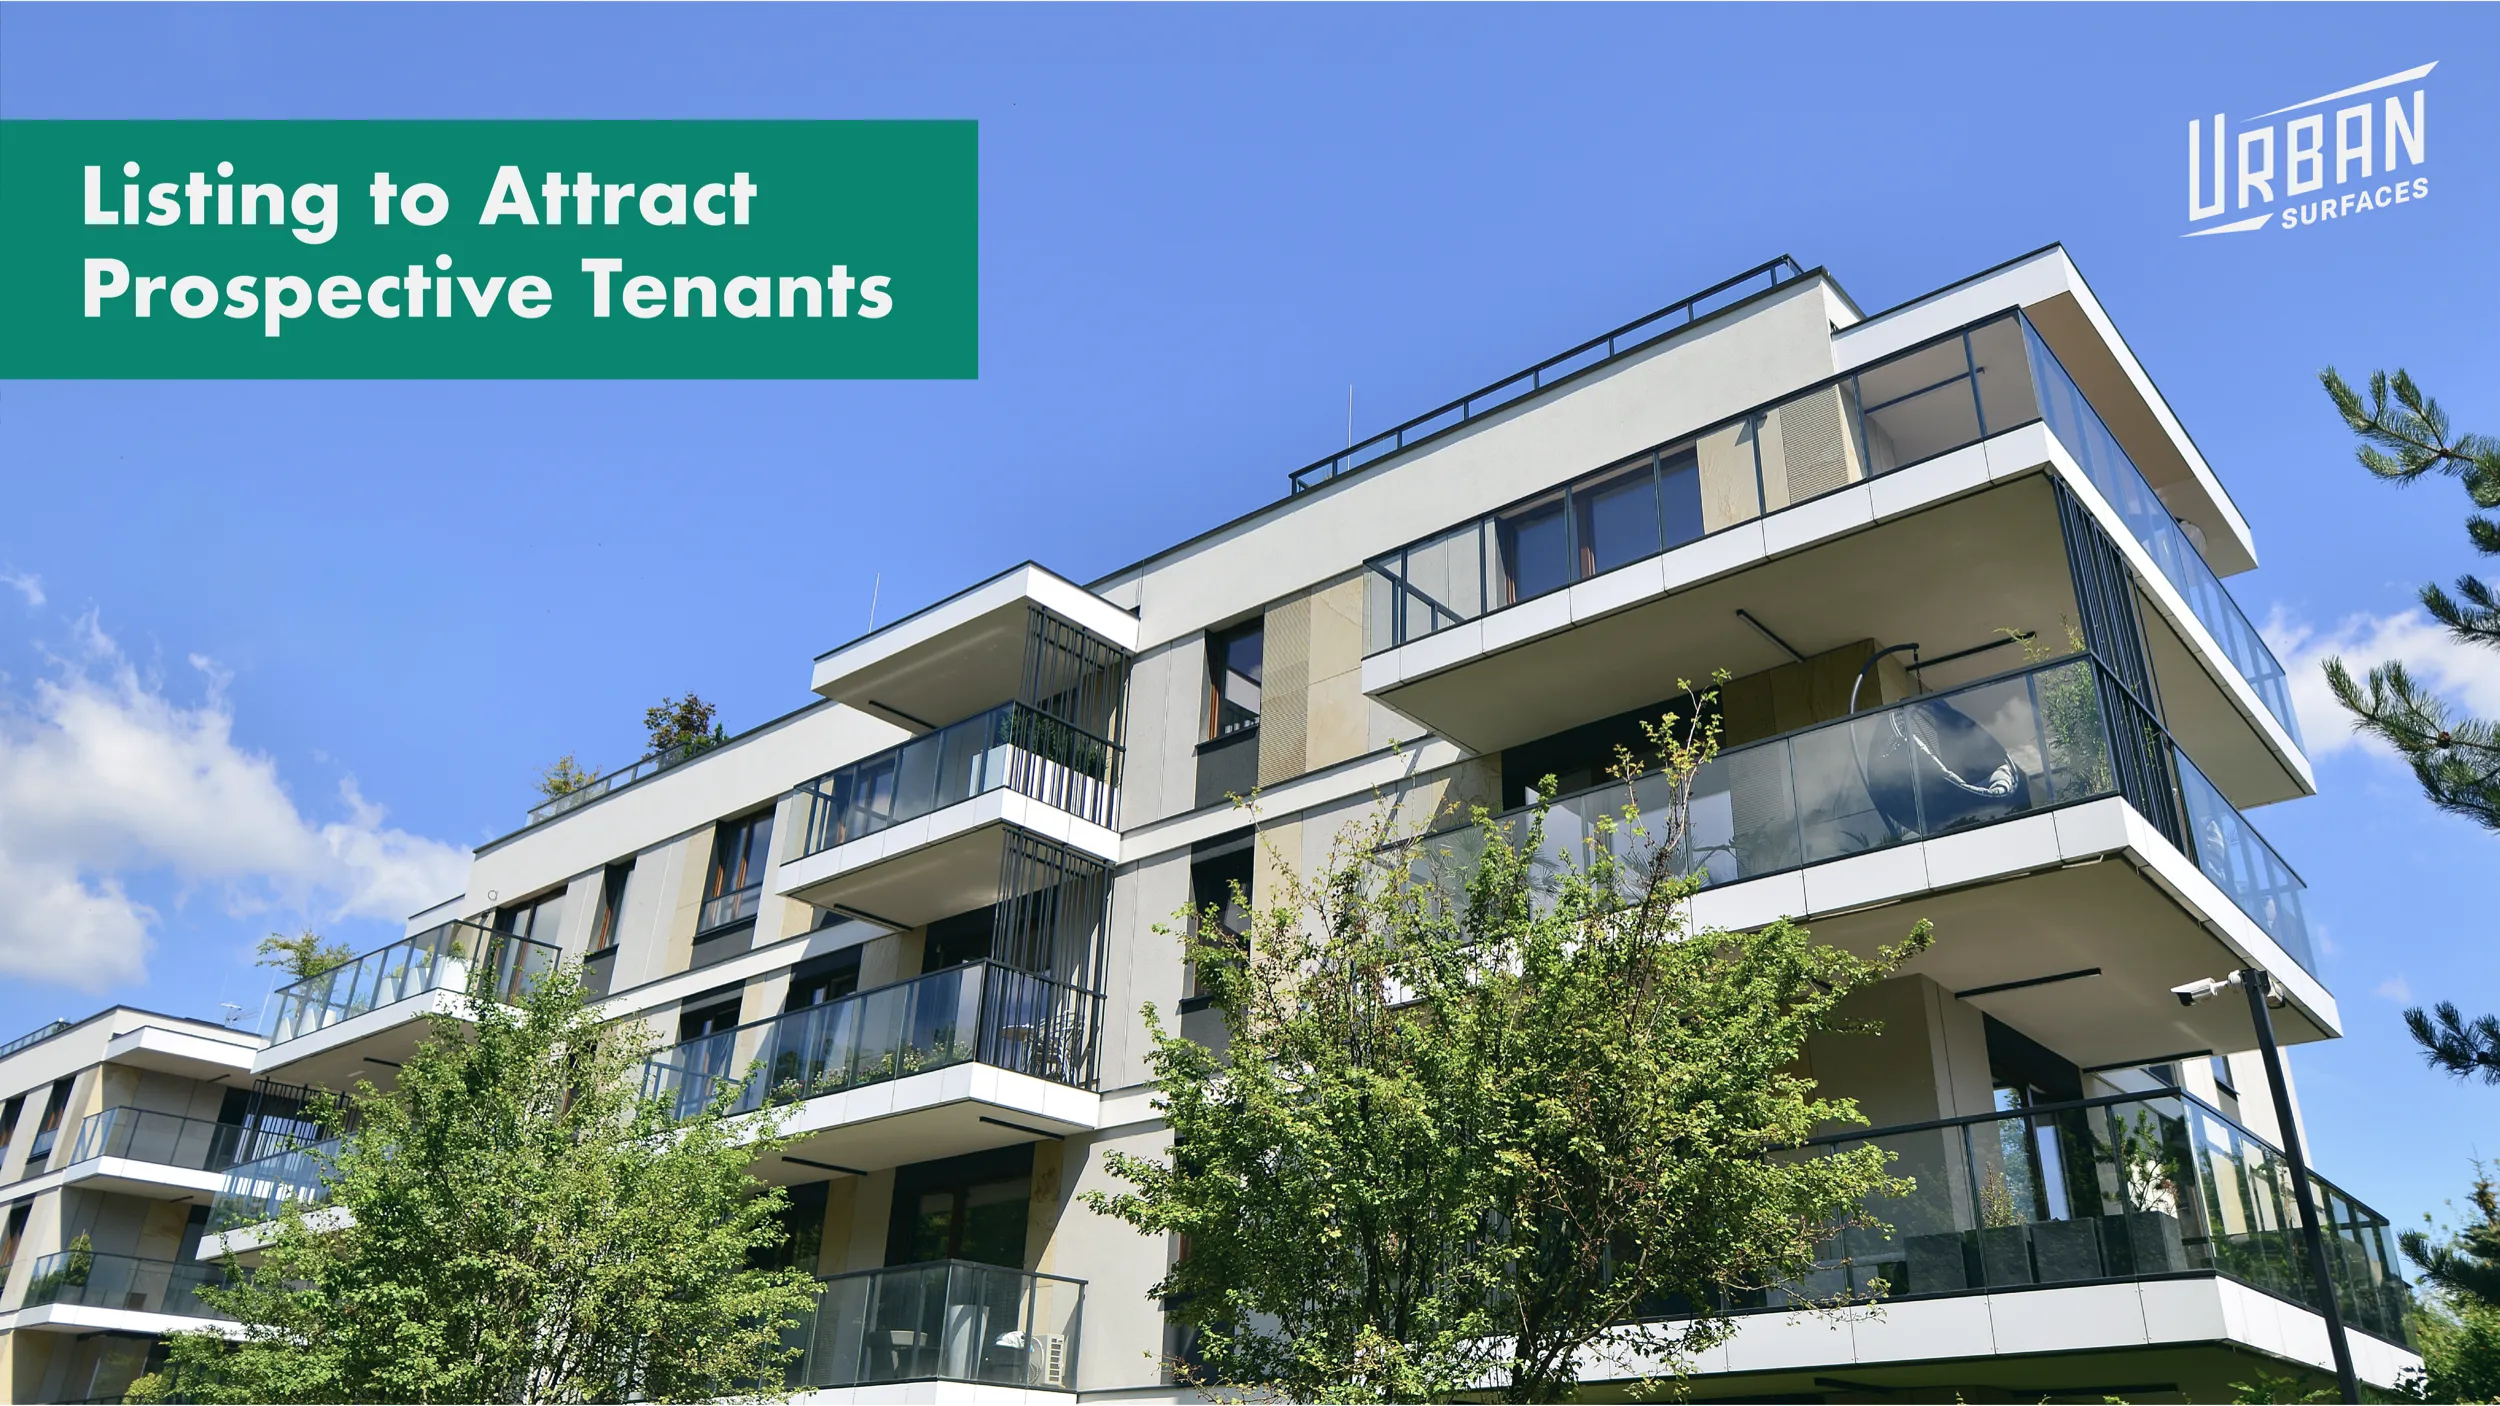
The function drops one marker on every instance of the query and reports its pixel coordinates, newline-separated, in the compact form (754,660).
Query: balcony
(914,833)
(1025,633)
(2133,1186)
(1021,1046)
(1655,555)
(139,1152)
(75,1279)
(1939,801)
(254,1190)
(328,1028)
(946,1321)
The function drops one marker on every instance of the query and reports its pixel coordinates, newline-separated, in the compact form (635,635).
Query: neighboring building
(927,900)
(115,1134)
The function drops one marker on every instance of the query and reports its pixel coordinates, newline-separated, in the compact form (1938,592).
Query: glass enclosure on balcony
(457,956)
(2046,736)
(982,1012)
(2125,1187)
(949,1320)
(255,1190)
(165,1139)
(1984,380)
(1013,746)
(126,1282)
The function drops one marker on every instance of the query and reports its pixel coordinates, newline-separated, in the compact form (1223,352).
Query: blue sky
(278,653)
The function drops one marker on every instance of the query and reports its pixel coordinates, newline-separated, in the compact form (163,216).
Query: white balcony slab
(1831,515)
(1716,555)
(1527,620)
(933,1394)
(1992,851)
(127,1176)
(964,653)
(912,872)
(1862,879)
(2086,1316)
(1616,589)
(88,1318)
(183,1052)
(1931,481)
(942,1113)
(1382,670)
(2018,452)
(1752,903)
(1945,1328)
(1766,1342)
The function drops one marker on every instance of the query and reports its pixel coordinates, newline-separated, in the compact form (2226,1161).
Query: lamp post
(2260,987)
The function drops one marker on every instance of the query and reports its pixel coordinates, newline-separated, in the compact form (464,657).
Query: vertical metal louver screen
(1053,920)
(2113,631)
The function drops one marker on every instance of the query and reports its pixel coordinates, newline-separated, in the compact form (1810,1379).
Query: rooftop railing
(125,1282)
(618,779)
(1011,746)
(1989,378)
(2130,1186)
(2050,735)
(167,1140)
(35,1036)
(949,1320)
(255,1190)
(456,956)
(983,1012)
(1597,351)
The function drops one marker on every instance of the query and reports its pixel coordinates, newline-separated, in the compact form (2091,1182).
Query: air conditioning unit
(1053,1359)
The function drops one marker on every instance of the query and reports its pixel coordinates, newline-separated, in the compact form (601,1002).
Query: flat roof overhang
(944,863)
(2024,908)
(1949,553)
(944,1113)
(965,653)
(180,1052)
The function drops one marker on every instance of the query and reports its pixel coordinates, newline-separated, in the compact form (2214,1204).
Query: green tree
(683,723)
(1475,1113)
(565,777)
(2456,757)
(511,1222)
(2458,1327)
(305,955)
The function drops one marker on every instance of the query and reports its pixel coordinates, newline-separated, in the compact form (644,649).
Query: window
(964,1208)
(15,1234)
(1535,542)
(1233,672)
(738,850)
(603,925)
(710,1017)
(821,979)
(956,940)
(8,1122)
(537,919)
(49,1129)
(1618,517)
(1216,869)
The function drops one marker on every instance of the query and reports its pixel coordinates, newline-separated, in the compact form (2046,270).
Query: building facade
(1963,567)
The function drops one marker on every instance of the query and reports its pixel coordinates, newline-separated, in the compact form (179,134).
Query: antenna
(1349,415)
(234,1014)
(873,588)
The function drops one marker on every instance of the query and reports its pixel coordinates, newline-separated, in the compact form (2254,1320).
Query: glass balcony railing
(457,956)
(1992,377)
(2071,418)
(1012,746)
(124,1282)
(33,1037)
(619,779)
(983,1012)
(166,1140)
(255,1190)
(2025,742)
(950,1320)
(2126,1187)
(735,906)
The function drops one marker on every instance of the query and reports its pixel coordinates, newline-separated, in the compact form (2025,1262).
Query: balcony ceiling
(965,653)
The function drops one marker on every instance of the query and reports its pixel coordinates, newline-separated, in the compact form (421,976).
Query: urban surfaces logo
(2319,162)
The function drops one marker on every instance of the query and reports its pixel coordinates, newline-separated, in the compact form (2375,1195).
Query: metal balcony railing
(125,1282)
(1984,380)
(2050,735)
(168,1140)
(1597,351)
(983,1012)
(618,779)
(1012,746)
(950,1320)
(457,956)
(35,1036)
(2130,1186)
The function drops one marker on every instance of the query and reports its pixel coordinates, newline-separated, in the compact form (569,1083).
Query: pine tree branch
(2449,1042)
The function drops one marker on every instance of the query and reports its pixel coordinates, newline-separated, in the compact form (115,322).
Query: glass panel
(1445,581)
(2240,862)
(1679,490)
(1975,755)
(1536,549)
(1855,788)
(1618,518)
(1920,425)
(1744,815)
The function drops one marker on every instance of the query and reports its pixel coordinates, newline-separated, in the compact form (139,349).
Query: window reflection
(1536,549)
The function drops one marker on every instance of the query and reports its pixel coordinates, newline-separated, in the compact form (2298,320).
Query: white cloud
(27,584)
(105,775)
(2396,989)
(2467,676)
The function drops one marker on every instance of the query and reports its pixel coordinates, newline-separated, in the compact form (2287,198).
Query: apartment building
(1964,567)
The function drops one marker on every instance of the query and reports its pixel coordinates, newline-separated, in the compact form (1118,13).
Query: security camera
(2196,991)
